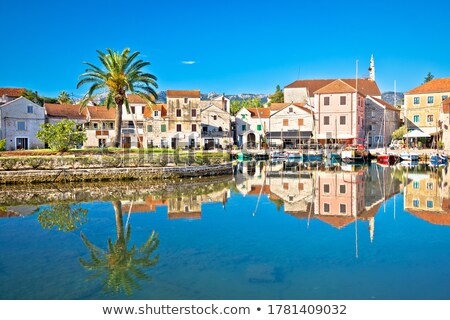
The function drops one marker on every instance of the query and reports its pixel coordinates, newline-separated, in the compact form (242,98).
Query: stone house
(423,107)
(444,119)
(216,126)
(289,125)
(251,125)
(99,126)
(381,120)
(20,120)
(156,124)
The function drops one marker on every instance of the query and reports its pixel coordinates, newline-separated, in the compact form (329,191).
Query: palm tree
(64,98)
(119,266)
(121,74)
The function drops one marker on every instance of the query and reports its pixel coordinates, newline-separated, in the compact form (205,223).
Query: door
(126,142)
(21,143)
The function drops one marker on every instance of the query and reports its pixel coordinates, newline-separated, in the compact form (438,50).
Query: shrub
(2,145)
(61,136)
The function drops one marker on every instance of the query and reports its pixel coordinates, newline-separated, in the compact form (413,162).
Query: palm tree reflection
(120,267)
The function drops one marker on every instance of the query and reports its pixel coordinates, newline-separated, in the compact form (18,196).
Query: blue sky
(237,46)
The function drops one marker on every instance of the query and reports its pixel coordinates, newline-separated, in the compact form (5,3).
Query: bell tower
(372,69)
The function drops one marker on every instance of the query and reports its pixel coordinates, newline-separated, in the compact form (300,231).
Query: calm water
(273,231)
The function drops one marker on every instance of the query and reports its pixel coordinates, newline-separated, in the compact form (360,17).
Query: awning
(291,134)
(416,134)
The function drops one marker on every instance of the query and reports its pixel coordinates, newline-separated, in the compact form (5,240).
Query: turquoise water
(265,233)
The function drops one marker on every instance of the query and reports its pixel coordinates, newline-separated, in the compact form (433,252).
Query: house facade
(381,120)
(251,125)
(216,126)
(20,120)
(423,107)
(99,127)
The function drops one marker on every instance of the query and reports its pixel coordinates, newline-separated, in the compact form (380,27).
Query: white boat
(409,156)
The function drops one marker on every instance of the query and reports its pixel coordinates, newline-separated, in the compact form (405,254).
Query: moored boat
(356,152)
(388,159)
(438,159)
(409,156)
(244,156)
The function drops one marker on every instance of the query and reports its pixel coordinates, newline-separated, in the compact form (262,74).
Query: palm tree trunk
(118,126)
(119,221)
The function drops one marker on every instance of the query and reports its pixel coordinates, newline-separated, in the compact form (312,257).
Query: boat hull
(409,157)
(388,159)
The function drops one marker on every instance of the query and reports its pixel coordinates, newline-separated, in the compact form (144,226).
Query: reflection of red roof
(257,189)
(185,215)
(11,92)
(337,221)
(101,113)
(263,112)
(137,207)
(69,111)
(435,85)
(442,219)
(183,93)
(148,111)
(372,212)
(365,86)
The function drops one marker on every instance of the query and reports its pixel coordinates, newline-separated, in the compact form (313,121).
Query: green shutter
(149,128)
(243,116)
(243,127)
(258,127)
(163,128)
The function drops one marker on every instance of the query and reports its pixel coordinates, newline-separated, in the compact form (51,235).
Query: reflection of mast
(260,192)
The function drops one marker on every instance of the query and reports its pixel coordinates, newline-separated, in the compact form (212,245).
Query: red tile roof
(337,86)
(365,86)
(435,85)
(385,104)
(68,111)
(134,98)
(259,112)
(101,113)
(12,92)
(183,93)
(148,111)
(184,215)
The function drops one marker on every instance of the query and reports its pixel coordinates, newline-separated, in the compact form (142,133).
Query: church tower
(372,69)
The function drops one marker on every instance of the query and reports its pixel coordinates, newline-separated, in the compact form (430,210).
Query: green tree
(120,74)
(63,216)
(120,266)
(235,106)
(278,96)
(64,98)
(428,77)
(61,136)
(33,96)
(398,134)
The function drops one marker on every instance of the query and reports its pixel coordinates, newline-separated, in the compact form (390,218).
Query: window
(291,109)
(194,127)
(111,125)
(416,203)
(370,127)
(326,207)
(342,208)
(326,188)
(444,97)
(416,118)
(300,122)
(243,127)
(326,120)
(258,127)
(430,99)
(30,109)
(243,116)
(430,186)
(430,118)
(342,120)
(95,125)
(21,125)
(178,127)
(163,128)
(149,128)
(186,100)
(156,113)
(194,113)
(285,122)
(416,100)
(133,110)
(416,185)
(430,204)
(343,100)
(205,129)
(285,186)
(142,109)
(300,186)
(178,113)
(326,101)
(342,188)
(214,117)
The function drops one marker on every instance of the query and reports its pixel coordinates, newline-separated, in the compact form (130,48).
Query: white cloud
(188,62)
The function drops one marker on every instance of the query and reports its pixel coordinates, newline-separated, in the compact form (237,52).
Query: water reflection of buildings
(337,197)
(184,206)
(427,196)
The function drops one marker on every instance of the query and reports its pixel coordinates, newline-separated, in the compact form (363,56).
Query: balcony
(101,132)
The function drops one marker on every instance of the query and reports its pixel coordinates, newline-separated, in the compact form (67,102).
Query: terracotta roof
(263,112)
(279,106)
(365,86)
(137,208)
(257,189)
(446,105)
(11,92)
(101,113)
(183,93)
(134,98)
(442,219)
(337,86)
(371,213)
(337,221)
(68,111)
(435,85)
(148,111)
(385,104)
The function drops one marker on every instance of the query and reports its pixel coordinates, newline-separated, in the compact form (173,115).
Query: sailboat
(387,158)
